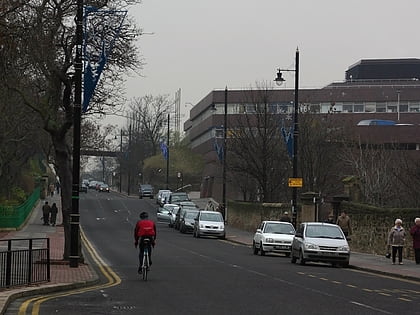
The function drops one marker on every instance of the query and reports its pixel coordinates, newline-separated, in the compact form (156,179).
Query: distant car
(92,184)
(146,190)
(163,215)
(320,242)
(177,197)
(376,122)
(98,185)
(83,188)
(187,204)
(187,221)
(162,196)
(103,188)
(273,236)
(209,223)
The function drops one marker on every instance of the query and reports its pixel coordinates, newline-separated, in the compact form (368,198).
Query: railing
(24,261)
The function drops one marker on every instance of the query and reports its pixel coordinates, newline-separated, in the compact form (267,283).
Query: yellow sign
(295,182)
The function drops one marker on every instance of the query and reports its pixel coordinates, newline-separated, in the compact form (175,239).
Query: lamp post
(167,155)
(224,212)
(77,111)
(294,182)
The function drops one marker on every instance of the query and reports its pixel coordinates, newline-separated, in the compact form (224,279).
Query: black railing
(24,261)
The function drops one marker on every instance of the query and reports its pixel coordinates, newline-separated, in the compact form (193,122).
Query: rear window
(215,217)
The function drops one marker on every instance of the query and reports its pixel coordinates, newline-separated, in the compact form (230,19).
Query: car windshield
(178,198)
(279,228)
(215,217)
(323,231)
(190,214)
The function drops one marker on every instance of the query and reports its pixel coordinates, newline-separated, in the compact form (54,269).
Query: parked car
(163,215)
(209,223)
(273,236)
(173,209)
(187,221)
(189,204)
(162,196)
(103,188)
(177,197)
(320,242)
(146,190)
(179,215)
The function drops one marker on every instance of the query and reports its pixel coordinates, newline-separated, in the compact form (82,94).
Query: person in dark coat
(54,211)
(415,234)
(285,217)
(46,209)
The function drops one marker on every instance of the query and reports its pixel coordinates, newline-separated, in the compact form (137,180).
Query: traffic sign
(295,182)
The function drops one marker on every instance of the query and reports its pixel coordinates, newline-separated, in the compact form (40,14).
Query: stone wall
(370,224)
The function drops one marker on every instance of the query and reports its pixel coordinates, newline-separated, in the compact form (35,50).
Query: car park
(209,223)
(146,190)
(320,242)
(273,236)
(187,221)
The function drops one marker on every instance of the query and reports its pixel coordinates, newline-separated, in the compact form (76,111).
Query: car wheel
(262,252)
(223,237)
(293,260)
(301,259)
(254,249)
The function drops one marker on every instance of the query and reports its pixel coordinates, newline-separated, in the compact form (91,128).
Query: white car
(273,236)
(320,242)
(209,223)
(173,209)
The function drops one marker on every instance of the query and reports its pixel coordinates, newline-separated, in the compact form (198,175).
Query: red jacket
(415,233)
(144,228)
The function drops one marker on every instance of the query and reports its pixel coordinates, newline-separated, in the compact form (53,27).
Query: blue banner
(165,150)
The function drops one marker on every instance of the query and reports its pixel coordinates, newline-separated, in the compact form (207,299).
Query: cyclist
(145,229)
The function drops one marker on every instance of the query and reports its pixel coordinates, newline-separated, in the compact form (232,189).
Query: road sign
(295,182)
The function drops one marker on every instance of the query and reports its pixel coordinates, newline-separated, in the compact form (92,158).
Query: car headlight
(311,246)
(344,248)
(269,240)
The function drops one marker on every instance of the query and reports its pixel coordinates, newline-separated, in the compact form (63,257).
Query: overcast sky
(201,45)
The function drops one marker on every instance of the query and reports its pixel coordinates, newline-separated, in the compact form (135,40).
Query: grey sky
(201,45)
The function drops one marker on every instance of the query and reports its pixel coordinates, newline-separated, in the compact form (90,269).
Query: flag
(165,150)
(219,150)
(288,139)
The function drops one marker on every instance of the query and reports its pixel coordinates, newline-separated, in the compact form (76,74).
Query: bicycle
(146,260)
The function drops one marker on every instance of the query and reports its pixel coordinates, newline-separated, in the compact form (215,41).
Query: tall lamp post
(294,182)
(224,213)
(77,111)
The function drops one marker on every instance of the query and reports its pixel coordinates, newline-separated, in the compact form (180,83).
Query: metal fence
(24,261)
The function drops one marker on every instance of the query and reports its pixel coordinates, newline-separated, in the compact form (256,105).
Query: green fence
(14,216)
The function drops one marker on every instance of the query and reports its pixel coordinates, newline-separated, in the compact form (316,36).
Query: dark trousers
(46,217)
(53,218)
(141,247)
(395,250)
(417,255)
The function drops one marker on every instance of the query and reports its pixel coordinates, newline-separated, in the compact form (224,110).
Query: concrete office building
(387,89)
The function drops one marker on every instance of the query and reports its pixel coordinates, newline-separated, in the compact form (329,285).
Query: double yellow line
(112,280)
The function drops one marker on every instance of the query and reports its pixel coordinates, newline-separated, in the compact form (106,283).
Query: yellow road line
(112,280)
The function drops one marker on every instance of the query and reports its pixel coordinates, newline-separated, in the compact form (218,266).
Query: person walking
(46,209)
(344,222)
(396,240)
(53,211)
(415,234)
(285,217)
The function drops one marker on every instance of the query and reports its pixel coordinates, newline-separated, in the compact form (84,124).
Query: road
(210,276)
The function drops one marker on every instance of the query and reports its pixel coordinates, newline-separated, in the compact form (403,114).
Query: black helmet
(144,215)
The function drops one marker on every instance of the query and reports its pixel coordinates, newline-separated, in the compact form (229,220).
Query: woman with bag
(396,240)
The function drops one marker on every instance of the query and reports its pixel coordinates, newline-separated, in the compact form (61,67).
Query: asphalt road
(210,276)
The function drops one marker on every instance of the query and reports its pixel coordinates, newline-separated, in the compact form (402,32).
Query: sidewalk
(63,277)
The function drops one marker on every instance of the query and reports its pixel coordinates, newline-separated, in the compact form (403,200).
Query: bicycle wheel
(145,265)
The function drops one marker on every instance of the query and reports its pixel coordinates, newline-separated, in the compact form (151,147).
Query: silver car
(320,242)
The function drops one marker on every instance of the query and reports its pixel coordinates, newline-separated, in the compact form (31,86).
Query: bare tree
(37,49)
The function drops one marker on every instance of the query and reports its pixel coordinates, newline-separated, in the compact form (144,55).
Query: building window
(380,107)
(414,107)
(250,108)
(370,107)
(347,108)
(359,108)
(391,108)
(403,107)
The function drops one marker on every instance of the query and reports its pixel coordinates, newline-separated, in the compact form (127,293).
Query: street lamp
(224,205)
(294,182)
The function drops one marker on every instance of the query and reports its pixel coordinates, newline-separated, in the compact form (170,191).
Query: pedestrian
(46,209)
(285,217)
(344,222)
(396,240)
(415,234)
(330,219)
(52,188)
(54,211)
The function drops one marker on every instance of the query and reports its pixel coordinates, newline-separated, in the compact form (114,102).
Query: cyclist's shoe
(139,271)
